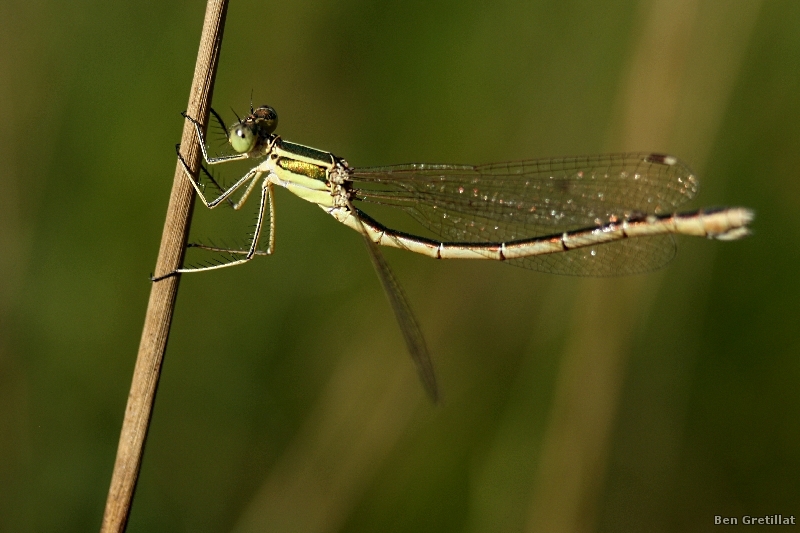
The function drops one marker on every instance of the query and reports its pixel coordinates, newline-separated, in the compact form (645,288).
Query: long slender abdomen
(722,224)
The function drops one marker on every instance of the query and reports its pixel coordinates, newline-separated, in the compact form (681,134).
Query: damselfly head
(253,129)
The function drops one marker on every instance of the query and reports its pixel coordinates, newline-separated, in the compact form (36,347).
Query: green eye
(241,138)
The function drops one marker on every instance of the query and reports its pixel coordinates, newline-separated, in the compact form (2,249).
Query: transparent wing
(503,202)
(409,327)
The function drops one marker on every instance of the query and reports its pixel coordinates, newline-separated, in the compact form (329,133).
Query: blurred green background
(288,402)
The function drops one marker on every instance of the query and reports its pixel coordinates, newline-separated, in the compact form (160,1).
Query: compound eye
(241,138)
(267,119)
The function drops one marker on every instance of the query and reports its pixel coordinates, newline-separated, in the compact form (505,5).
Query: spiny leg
(238,205)
(202,140)
(253,174)
(270,247)
(266,195)
(214,181)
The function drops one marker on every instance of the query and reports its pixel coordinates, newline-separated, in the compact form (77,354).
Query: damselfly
(599,215)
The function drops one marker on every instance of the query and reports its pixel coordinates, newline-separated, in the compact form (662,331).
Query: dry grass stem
(163,293)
